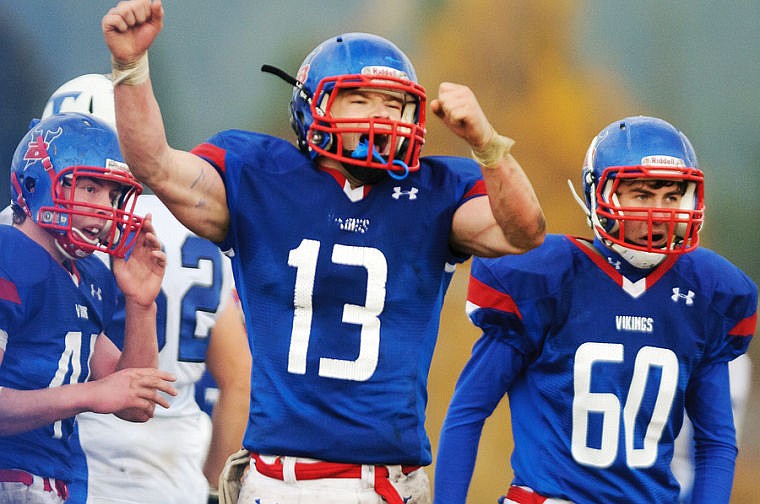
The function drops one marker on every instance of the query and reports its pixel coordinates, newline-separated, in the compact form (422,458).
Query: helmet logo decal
(114,165)
(66,102)
(303,73)
(383,71)
(38,149)
(663,161)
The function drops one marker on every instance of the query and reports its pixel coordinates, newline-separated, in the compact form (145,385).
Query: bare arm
(187,184)
(136,389)
(510,220)
(229,362)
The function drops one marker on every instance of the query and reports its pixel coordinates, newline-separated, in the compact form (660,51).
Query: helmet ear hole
(29,184)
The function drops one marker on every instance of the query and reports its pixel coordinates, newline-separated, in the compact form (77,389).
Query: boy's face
(367,104)
(650,194)
(93,192)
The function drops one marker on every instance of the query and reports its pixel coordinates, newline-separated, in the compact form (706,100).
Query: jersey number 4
(304,259)
(608,405)
(70,368)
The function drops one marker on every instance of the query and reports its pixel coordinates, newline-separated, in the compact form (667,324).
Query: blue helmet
(350,61)
(50,159)
(651,149)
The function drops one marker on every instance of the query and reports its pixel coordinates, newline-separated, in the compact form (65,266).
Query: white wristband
(496,149)
(130,74)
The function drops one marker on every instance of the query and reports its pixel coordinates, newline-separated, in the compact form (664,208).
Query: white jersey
(161,460)
(6,216)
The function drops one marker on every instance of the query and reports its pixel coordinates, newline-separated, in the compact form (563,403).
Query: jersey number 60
(608,405)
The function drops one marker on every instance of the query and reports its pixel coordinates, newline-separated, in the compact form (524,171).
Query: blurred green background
(549,73)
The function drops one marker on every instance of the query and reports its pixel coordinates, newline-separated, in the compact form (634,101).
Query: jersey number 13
(304,259)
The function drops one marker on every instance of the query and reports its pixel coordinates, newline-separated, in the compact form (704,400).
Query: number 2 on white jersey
(608,405)
(304,259)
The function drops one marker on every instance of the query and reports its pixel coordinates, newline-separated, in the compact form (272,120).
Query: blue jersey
(51,320)
(598,367)
(342,291)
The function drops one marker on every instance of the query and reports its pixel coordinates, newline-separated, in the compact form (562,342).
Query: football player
(343,246)
(72,195)
(164,459)
(602,344)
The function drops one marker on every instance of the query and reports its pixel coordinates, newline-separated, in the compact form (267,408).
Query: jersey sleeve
(513,331)
(515,297)
(735,298)
(482,384)
(221,151)
(463,175)
(10,308)
(708,405)
(460,179)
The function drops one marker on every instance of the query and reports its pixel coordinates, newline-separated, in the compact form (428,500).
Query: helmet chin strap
(68,249)
(366,175)
(71,250)
(636,258)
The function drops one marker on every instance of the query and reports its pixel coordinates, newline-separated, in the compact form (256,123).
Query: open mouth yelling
(381,143)
(90,234)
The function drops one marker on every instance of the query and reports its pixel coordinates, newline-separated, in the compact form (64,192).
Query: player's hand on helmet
(139,277)
(130,28)
(460,111)
(133,393)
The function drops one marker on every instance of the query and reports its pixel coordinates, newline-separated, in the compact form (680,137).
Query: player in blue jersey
(199,324)
(71,195)
(342,250)
(601,345)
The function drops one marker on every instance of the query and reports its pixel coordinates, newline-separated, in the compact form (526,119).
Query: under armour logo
(688,297)
(615,264)
(411,193)
(95,292)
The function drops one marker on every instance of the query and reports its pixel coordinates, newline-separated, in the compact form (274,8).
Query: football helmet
(87,94)
(643,148)
(359,60)
(46,165)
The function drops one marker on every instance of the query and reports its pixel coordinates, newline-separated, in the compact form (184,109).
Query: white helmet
(86,94)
